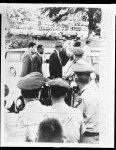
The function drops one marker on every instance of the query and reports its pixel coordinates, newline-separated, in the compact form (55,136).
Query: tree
(93,15)
(18,18)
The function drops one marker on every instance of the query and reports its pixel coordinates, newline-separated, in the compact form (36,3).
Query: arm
(64,57)
(52,65)
(34,63)
(25,66)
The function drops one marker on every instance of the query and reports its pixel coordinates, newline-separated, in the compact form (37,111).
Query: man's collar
(59,104)
(32,102)
(29,51)
(57,51)
(38,53)
(85,87)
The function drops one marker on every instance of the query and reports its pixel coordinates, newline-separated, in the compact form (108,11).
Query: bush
(17,41)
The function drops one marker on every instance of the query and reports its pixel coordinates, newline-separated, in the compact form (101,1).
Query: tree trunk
(91,23)
(90,35)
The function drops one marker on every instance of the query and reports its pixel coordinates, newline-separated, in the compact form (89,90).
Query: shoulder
(74,111)
(90,95)
(35,55)
(11,118)
(76,114)
(26,55)
(53,54)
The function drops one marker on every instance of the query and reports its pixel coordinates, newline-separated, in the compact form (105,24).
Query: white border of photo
(107,72)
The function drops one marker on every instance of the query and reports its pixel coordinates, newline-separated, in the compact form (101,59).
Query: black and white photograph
(57,77)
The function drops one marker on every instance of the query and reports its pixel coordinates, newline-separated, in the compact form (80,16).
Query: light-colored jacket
(26,63)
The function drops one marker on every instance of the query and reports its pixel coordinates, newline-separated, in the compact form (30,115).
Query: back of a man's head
(50,130)
(30,93)
(57,92)
(77,44)
(83,77)
(31,44)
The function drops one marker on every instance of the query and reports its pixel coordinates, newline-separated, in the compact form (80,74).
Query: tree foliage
(17,17)
(93,15)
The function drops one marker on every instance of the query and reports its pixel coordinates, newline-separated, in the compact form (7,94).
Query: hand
(77,100)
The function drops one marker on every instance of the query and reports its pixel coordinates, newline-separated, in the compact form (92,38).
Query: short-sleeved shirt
(19,127)
(71,119)
(90,108)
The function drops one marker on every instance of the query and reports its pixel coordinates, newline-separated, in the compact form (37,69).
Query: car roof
(17,50)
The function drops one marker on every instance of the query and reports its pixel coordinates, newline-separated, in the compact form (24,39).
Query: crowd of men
(62,121)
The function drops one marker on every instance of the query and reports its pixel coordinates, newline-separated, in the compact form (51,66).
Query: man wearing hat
(78,58)
(90,103)
(34,112)
(78,52)
(71,118)
(55,62)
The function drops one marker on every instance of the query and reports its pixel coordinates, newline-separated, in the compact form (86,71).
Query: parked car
(13,62)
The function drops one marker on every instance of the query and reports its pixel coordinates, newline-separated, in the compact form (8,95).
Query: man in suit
(37,60)
(27,59)
(55,62)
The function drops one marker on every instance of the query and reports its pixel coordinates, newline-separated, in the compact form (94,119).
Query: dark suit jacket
(64,57)
(36,63)
(26,64)
(55,67)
